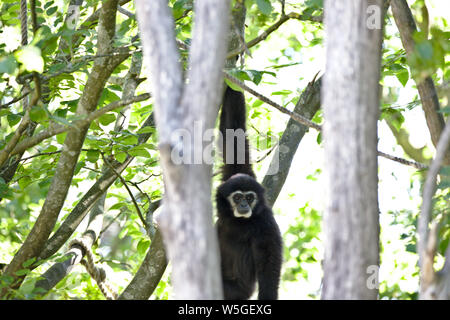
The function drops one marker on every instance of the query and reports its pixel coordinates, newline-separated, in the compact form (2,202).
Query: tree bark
(186,220)
(351,107)
(307,106)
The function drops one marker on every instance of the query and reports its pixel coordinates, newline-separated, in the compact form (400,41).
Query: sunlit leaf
(30,57)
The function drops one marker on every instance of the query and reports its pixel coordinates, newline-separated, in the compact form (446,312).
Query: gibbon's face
(242,203)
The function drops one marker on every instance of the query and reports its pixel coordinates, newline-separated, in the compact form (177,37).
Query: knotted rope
(97,273)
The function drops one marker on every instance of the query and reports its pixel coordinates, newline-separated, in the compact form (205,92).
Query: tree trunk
(187,110)
(351,108)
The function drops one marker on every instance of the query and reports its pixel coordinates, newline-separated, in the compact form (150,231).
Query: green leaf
(30,57)
(38,114)
(264,6)
(319,137)
(281,93)
(107,119)
(48,4)
(233,86)
(121,157)
(445,110)
(3,188)
(13,119)
(92,155)
(117,206)
(50,148)
(24,182)
(61,137)
(143,246)
(146,130)
(180,6)
(411,247)
(139,152)
(8,65)
(22,272)
(403,76)
(129,140)
(51,10)
(123,233)
(28,263)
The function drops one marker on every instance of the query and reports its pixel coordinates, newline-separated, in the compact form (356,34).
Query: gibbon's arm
(235,143)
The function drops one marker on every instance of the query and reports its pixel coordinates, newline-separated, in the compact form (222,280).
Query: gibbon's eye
(237,197)
(250,197)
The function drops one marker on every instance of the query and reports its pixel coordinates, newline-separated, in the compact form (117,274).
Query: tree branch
(263,36)
(428,192)
(306,122)
(118,175)
(300,119)
(186,222)
(307,106)
(77,125)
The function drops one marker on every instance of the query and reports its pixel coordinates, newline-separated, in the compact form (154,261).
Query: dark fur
(251,248)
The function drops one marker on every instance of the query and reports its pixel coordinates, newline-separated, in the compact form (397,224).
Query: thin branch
(184,15)
(34,23)
(411,163)
(57,128)
(40,155)
(126,12)
(80,62)
(263,36)
(6,105)
(138,210)
(302,120)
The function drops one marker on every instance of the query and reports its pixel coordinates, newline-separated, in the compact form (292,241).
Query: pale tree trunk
(186,220)
(351,107)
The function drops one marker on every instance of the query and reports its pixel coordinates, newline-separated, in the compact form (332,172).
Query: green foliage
(305,228)
(430,53)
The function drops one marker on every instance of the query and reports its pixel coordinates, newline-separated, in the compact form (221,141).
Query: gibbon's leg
(268,268)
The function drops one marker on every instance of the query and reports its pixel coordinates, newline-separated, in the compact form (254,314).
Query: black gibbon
(249,238)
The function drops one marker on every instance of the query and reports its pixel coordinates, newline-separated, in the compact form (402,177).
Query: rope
(23,22)
(97,273)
